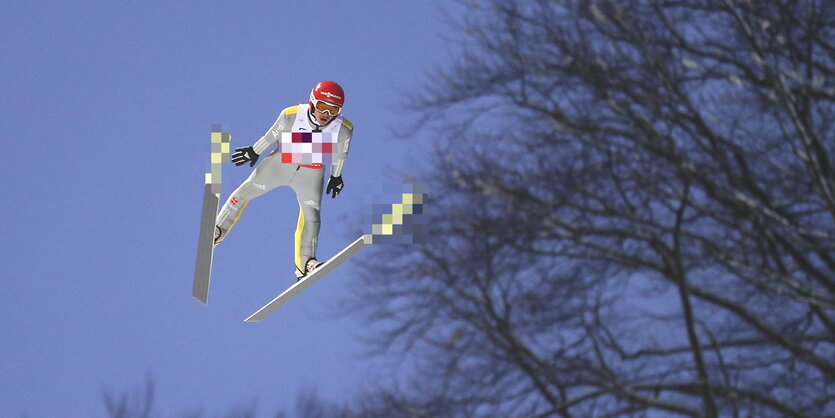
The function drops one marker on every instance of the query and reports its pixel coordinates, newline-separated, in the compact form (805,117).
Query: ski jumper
(305,179)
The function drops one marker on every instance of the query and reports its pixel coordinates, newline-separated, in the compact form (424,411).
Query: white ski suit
(305,179)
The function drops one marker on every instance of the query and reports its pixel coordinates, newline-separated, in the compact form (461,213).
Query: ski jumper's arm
(342,145)
(284,123)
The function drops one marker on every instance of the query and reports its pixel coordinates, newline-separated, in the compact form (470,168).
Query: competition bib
(306,147)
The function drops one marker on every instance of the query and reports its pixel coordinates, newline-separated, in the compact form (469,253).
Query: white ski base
(311,278)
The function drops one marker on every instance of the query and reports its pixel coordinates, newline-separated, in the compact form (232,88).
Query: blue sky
(106,113)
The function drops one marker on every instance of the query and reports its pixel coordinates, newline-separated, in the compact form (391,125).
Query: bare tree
(140,404)
(633,213)
(136,405)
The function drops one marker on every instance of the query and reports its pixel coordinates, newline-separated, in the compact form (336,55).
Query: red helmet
(329,92)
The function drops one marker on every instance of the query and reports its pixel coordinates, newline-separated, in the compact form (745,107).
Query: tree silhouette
(633,209)
(140,404)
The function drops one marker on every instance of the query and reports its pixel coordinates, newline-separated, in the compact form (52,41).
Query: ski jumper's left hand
(334,186)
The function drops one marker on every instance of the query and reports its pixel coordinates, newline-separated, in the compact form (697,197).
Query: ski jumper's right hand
(244,154)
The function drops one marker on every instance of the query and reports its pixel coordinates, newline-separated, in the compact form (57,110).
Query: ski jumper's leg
(307,184)
(267,176)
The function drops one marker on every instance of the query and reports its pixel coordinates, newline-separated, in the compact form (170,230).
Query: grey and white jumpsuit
(305,179)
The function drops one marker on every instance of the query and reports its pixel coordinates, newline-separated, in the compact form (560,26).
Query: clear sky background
(106,113)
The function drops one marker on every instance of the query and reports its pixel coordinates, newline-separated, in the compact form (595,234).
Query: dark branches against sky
(632,211)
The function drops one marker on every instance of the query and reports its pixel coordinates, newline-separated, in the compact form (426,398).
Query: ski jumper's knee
(234,207)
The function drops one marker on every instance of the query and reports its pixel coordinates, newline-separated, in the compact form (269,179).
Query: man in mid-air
(322,114)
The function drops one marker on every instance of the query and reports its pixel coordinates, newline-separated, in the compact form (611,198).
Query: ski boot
(219,235)
(312,264)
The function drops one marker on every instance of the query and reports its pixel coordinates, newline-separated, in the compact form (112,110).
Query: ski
(205,246)
(311,278)
(211,199)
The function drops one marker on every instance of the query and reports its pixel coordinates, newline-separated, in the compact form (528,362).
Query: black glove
(334,185)
(242,155)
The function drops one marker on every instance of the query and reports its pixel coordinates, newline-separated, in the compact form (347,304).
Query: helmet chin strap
(312,120)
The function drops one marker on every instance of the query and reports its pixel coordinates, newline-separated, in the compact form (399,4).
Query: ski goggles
(324,106)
